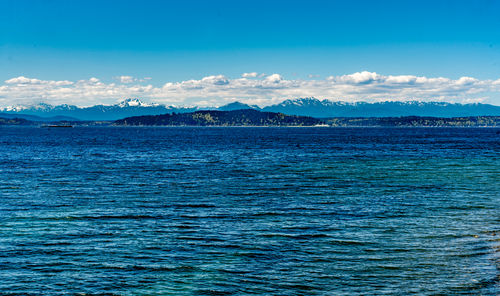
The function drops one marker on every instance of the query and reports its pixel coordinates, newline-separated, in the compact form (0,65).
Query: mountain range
(325,109)
(302,107)
(126,108)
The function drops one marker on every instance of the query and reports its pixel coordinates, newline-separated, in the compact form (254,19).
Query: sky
(258,52)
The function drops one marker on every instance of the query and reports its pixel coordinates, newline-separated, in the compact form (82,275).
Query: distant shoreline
(251,126)
(253,118)
(249,117)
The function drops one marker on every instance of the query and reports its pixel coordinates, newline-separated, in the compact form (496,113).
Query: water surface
(237,211)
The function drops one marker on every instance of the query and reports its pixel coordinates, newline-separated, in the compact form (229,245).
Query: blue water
(238,211)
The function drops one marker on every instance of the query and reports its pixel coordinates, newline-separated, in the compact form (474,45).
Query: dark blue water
(237,211)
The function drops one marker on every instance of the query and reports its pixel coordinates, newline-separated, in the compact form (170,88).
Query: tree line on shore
(250,117)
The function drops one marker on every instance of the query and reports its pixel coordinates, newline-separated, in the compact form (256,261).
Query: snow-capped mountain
(325,108)
(126,108)
(135,103)
(301,106)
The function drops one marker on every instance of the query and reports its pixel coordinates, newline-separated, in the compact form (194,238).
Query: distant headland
(252,117)
(246,117)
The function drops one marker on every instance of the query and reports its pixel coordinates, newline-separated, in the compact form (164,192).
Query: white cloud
(126,79)
(24,80)
(250,75)
(216,80)
(359,77)
(262,90)
(274,78)
(402,79)
(466,81)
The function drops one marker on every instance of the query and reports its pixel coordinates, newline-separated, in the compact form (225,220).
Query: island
(415,121)
(246,117)
(15,121)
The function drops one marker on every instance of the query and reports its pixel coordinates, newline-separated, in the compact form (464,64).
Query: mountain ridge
(325,108)
(299,106)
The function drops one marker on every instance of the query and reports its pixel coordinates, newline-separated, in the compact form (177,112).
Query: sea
(249,211)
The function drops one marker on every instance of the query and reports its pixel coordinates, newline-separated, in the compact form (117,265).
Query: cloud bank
(252,88)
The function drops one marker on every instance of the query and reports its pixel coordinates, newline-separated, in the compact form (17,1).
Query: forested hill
(15,121)
(416,121)
(246,117)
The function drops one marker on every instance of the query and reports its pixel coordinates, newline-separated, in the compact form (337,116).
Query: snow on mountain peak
(135,103)
(43,107)
(300,101)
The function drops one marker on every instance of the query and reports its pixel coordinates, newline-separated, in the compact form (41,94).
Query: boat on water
(56,125)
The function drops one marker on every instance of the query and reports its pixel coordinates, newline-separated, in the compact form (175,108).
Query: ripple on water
(266,211)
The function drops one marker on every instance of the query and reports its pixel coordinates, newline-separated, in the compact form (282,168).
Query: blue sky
(178,41)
